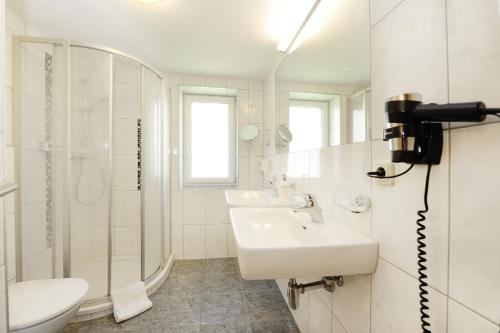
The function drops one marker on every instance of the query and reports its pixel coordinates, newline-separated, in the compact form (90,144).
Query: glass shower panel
(40,153)
(151,172)
(126,261)
(90,167)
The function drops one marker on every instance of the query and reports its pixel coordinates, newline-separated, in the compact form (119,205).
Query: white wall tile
(255,176)
(126,100)
(9,33)
(2,235)
(194,207)
(337,326)
(256,84)
(243,173)
(174,80)
(243,146)
(231,242)
(125,173)
(474,51)
(194,242)
(216,207)
(320,320)
(124,138)
(126,70)
(463,320)
(216,241)
(394,213)
(174,137)
(217,82)
(178,241)
(256,106)
(3,301)
(33,178)
(395,306)
(243,107)
(125,241)
(237,83)
(8,129)
(380,8)
(351,303)
(174,104)
(174,172)
(321,178)
(177,207)
(194,80)
(126,208)
(10,230)
(350,164)
(474,227)
(402,64)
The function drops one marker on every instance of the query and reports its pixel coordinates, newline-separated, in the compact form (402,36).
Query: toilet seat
(37,301)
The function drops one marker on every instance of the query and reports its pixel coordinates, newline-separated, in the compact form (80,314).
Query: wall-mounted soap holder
(357,204)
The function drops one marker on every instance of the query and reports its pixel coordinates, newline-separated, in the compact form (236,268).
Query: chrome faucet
(310,207)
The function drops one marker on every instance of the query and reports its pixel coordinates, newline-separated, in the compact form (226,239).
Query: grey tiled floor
(206,296)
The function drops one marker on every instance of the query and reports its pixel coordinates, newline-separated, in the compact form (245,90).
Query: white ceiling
(338,48)
(214,37)
(208,37)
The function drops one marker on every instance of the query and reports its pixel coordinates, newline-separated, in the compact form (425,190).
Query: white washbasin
(278,243)
(256,198)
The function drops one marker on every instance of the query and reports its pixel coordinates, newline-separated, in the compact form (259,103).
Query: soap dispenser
(284,188)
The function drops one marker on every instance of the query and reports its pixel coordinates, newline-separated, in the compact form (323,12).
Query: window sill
(209,186)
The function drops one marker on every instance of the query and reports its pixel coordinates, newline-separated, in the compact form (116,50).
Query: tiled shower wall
(449,52)
(200,225)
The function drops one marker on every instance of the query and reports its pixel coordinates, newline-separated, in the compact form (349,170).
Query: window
(308,122)
(210,140)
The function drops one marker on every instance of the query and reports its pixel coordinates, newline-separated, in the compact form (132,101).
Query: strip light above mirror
(291,36)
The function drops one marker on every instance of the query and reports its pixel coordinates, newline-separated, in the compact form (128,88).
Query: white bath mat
(130,301)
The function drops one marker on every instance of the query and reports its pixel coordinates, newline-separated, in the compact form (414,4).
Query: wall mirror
(323,87)
(284,135)
(248,132)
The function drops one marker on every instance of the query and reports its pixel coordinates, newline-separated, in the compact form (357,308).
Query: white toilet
(44,306)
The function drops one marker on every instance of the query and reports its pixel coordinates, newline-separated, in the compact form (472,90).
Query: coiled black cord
(422,260)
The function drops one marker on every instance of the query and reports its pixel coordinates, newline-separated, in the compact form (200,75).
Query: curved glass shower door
(90,163)
(90,168)
(151,171)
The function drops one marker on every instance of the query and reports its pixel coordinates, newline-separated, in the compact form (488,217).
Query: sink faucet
(310,207)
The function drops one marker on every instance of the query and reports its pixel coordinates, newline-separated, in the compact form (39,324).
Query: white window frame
(231,102)
(325,110)
(350,120)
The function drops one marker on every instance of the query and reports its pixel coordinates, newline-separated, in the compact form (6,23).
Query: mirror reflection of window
(357,118)
(308,122)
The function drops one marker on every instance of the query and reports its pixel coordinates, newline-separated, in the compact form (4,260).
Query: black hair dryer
(415,131)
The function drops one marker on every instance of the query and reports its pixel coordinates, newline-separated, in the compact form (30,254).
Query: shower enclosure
(90,126)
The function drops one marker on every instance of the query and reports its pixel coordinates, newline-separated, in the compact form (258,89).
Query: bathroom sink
(256,198)
(278,243)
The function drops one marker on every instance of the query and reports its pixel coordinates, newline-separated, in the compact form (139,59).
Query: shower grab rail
(7,188)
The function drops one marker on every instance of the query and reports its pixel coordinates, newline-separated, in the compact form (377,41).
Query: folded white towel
(130,301)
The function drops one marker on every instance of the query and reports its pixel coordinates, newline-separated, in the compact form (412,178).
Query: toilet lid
(34,302)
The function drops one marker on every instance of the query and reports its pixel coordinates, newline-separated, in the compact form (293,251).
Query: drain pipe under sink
(296,289)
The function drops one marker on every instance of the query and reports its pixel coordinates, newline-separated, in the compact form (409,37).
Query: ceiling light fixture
(148,2)
(291,40)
